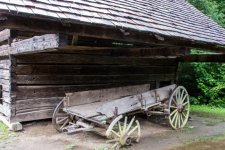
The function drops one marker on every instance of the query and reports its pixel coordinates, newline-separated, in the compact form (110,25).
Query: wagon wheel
(60,119)
(179,106)
(123,133)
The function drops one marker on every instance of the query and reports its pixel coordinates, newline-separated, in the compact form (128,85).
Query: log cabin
(51,47)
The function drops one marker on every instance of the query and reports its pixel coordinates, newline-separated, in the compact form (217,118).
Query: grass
(208,112)
(207,143)
(4,132)
(207,138)
(70,147)
(101,148)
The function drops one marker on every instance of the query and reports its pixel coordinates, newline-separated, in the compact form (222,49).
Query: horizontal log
(88,59)
(35,44)
(128,51)
(6,109)
(203,58)
(33,115)
(6,94)
(22,111)
(6,87)
(90,69)
(37,103)
(5,64)
(5,35)
(4,81)
(4,74)
(87,79)
(29,92)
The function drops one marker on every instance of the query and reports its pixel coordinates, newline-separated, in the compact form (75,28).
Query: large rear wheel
(179,106)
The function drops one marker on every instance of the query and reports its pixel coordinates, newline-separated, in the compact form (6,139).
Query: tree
(208,79)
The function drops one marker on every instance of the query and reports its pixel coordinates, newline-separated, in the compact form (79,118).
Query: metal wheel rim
(179,106)
(60,119)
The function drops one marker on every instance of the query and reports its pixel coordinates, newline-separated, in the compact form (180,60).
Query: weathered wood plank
(203,58)
(33,115)
(85,97)
(4,81)
(128,51)
(5,64)
(6,109)
(87,59)
(31,92)
(135,102)
(37,103)
(90,69)
(88,79)
(5,35)
(5,74)
(4,50)
(34,45)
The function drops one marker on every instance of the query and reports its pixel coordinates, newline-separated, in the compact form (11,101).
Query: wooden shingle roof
(174,18)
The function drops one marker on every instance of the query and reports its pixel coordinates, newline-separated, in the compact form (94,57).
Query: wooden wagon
(106,111)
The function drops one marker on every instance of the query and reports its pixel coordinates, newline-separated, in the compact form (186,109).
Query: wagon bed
(102,111)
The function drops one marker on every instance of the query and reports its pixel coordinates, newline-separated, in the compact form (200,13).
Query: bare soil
(41,135)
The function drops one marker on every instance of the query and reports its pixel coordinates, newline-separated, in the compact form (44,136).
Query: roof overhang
(46,26)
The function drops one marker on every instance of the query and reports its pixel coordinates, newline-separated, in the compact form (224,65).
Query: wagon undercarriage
(114,116)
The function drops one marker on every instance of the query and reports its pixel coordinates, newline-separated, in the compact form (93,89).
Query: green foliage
(4,132)
(215,9)
(208,112)
(211,82)
(70,147)
(206,81)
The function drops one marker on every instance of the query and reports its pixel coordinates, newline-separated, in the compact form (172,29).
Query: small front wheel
(60,119)
(123,133)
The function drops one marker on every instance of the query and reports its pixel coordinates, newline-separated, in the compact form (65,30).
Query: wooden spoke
(173,112)
(115,133)
(131,131)
(174,117)
(174,107)
(181,117)
(130,124)
(184,98)
(185,103)
(59,120)
(179,114)
(113,140)
(123,133)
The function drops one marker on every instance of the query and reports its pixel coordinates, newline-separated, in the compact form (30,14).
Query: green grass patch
(70,147)
(4,132)
(204,142)
(208,112)
(207,138)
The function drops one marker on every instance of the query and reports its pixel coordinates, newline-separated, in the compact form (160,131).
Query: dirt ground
(42,136)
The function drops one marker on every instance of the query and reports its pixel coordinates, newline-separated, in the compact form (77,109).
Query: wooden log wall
(41,80)
(5,82)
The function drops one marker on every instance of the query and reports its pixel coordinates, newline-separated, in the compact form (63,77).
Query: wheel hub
(125,140)
(180,108)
